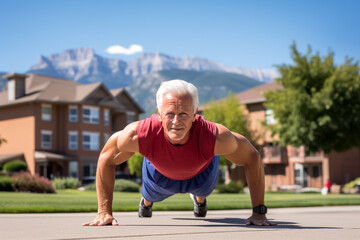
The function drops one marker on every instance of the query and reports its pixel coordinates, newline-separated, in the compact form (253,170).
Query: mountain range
(210,85)
(143,75)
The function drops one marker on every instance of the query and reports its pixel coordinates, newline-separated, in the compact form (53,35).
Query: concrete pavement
(294,223)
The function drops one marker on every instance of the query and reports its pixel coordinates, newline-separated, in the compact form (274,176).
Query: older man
(181,156)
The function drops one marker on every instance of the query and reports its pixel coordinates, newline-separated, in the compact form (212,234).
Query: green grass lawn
(84,201)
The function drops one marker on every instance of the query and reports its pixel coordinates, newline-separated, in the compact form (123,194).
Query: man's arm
(119,148)
(238,150)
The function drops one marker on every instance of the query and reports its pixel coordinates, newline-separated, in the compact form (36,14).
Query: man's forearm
(255,179)
(248,156)
(105,178)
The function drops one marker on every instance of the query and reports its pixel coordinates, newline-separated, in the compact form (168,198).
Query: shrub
(66,183)
(352,184)
(25,182)
(230,187)
(1,167)
(121,185)
(15,166)
(90,187)
(6,184)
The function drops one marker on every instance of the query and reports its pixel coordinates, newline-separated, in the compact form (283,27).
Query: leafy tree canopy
(229,112)
(135,164)
(319,106)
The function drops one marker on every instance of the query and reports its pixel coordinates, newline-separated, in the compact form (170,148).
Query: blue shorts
(156,187)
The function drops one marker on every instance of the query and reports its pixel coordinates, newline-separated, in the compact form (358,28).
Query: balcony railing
(275,154)
(301,153)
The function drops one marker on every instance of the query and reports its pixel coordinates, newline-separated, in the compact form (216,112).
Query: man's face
(177,116)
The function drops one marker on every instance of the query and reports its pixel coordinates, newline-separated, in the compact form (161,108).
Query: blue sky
(253,33)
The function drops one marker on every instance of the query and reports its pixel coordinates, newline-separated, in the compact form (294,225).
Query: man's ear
(195,114)
(158,113)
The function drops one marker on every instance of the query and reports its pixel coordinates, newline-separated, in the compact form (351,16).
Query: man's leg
(147,203)
(200,209)
(145,210)
(156,187)
(202,186)
(200,200)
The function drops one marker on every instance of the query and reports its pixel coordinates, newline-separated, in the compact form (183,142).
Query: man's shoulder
(225,140)
(203,123)
(128,137)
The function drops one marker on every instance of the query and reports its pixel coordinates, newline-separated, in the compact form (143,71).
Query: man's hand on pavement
(102,219)
(259,220)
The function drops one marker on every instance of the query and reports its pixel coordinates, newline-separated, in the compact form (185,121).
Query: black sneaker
(143,210)
(200,210)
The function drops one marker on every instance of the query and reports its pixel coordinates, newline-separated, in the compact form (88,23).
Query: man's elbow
(105,160)
(254,157)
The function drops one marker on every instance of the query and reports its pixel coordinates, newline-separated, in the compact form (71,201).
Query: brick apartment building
(287,166)
(59,126)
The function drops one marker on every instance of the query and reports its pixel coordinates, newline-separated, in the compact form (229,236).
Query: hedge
(25,182)
(15,166)
(230,187)
(352,184)
(6,184)
(66,183)
(121,185)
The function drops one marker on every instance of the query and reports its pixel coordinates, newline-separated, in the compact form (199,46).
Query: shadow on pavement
(240,222)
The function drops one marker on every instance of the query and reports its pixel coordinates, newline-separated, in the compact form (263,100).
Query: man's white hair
(177,87)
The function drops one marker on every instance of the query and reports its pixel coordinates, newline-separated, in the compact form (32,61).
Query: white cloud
(117,49)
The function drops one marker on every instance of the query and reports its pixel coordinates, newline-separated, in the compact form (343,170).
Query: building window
(130,117)
(90,115)
(269,117)
(90,141)
(106,116)
(46,112)
(46,139)
(73,114)
(316,171)
(106,137)
(73,140)
(11,89)
(73,169)
(89,171)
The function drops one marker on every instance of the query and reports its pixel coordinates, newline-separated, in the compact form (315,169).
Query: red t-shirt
(177,162)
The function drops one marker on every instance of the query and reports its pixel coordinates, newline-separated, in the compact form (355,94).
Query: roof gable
(125,98)
(256,94)
(94,93)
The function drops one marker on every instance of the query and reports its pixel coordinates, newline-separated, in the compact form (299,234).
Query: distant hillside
(85,66)
(142,76)
(211,85)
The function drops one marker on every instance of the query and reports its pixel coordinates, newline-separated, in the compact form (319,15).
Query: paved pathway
(294,223)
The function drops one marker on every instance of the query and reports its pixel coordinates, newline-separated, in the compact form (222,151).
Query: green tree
(319,106)
(135,164)
(229,112)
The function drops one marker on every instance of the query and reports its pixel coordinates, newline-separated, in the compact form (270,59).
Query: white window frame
(11,89)
(269,117)
(106,116)
(132,117)
(93,144)
(73,169)
(93,117)
(72,144)
(73,117)
(45,144)
(44,115)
